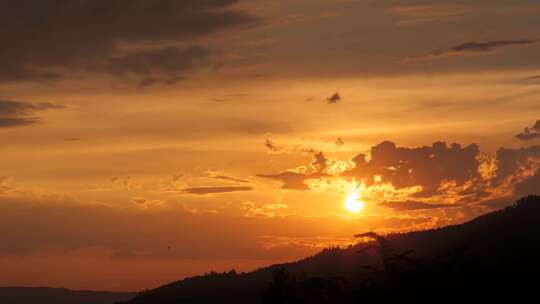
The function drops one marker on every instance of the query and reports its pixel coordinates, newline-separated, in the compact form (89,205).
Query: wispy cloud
(19,113)
(531,133)
(419,14)
(334,98)
(270,145)
(231,178)
(479,47)
(470,48)
(83,37)
(536,77)
(294,180)
(216,190)
(410,205)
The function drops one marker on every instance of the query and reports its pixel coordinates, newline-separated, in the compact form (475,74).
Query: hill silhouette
(492,256)
(42,295)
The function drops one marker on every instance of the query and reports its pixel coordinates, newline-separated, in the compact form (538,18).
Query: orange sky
(140,148)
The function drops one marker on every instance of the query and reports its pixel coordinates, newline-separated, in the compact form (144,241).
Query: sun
(353,203)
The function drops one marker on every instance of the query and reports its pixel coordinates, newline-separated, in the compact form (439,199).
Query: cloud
(19,113)
(515,164)
(532,78)
(529,186)
(425,166)
(136,233)
(168,232)
(215,190)
(6,185)
(334,98)
(119,183)
(518,170)
(320,162)
(530,133)
(430,10)
(146,204)
(293,180)
(489,46)
(270,145)
(536,126)
(425,177)
(94,36)
(230,178)
(410,205)
(165,65)
(527,135)
(479,47)
(424,13)
(267,210)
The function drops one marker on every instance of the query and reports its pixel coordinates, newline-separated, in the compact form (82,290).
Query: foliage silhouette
(287,288)
(42,295)
(491,257)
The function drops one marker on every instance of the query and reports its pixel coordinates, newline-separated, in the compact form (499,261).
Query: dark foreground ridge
(493,256)
(42,295)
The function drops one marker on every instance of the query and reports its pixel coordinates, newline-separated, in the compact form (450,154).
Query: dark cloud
(50,37)
(17,122)
(334,98)
(529,186)
(270,145)
(488,46)
(536,126)
(292,180)
(422,13)
(427,167)
(499,203)
(170,62)
(475,193)
(216,190)
(14,108)
(449,175)
(530,133)
(532,78)
(480,47)
(230,178)
(308,150)
(19,113)
(513,162)
(527,135)
(414,205)
(6,185)
(320,162)
(139,200)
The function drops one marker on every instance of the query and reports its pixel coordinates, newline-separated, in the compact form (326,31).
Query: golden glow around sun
(353,203)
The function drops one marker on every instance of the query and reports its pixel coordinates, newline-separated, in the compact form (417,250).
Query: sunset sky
(144,141)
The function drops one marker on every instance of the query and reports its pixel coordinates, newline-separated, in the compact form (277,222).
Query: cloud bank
(49,39)
(20,113)
(428,177)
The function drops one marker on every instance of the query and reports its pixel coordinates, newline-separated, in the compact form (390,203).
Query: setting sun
(258,151)
(353,203)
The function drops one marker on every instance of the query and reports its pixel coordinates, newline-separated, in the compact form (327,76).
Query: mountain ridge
(499,239)
(49,295)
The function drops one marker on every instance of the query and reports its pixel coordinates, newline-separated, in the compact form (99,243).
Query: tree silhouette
(496,255)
